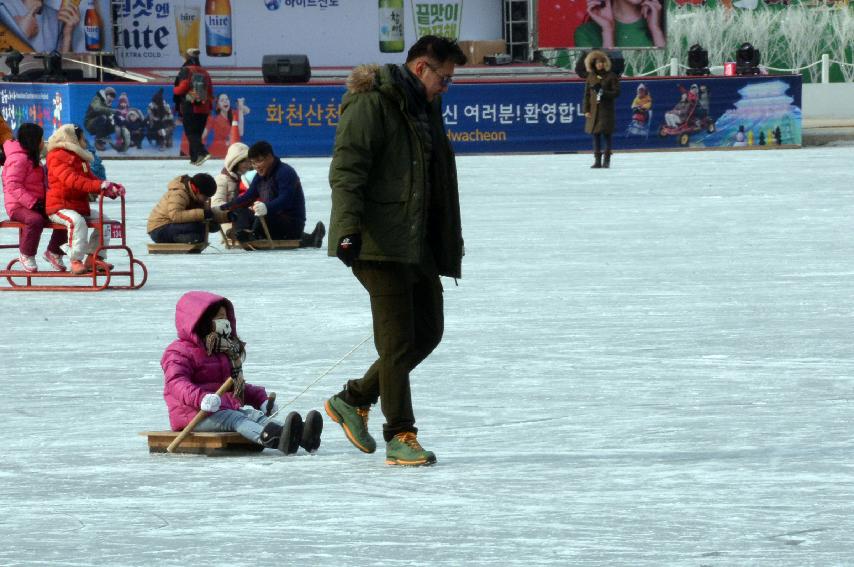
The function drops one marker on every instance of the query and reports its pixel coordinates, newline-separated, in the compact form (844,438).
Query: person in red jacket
(70,182)
(193,95)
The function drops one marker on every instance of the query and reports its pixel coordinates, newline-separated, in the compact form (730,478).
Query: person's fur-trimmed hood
(593,57)
(65,138)
(237,152)
(363,78)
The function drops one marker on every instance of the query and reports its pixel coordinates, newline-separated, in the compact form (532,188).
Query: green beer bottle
(391,26)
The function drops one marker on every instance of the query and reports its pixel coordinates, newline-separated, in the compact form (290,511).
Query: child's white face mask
(222,327)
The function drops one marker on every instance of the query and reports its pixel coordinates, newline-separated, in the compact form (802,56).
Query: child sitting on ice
(24,190)
(208,352)
(70,181)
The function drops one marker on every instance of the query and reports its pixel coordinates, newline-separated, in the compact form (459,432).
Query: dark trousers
(408,314)
(194,126)
(183,233)
(32,232)
(597,143)
(281,227)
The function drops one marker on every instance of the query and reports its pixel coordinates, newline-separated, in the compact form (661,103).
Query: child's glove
(260,209)
(112,190)
(210,403)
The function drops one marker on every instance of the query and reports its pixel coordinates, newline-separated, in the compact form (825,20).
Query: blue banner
(300,121)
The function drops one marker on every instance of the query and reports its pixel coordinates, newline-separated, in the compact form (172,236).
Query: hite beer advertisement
(238,33)
(67,26)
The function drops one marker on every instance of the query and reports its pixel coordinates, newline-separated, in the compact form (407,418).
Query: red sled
(12,279)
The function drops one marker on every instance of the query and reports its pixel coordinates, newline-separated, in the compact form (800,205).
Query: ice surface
(644,366)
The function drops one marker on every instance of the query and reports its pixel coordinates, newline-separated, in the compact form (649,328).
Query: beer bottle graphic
(93,28)
(391,26)
(218,28)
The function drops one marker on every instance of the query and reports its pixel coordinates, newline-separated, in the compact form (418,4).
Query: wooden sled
(175,248)
(264,244)
(210,444)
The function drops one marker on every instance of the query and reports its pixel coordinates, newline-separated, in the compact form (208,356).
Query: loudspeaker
(286,68)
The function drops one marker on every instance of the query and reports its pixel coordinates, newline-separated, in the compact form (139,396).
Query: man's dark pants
(408,314)
(194,126)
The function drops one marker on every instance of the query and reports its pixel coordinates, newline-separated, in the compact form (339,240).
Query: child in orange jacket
(70,181)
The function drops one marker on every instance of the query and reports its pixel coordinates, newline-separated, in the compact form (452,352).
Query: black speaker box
(286,68)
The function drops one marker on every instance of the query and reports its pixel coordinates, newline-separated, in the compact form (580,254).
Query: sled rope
(319,378)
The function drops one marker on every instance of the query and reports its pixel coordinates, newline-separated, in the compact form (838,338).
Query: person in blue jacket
(275,193)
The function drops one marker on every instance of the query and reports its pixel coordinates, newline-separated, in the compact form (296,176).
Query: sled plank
(211,444)
(265,244)
(176,248)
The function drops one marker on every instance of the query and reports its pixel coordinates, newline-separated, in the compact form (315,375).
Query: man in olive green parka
(396,221)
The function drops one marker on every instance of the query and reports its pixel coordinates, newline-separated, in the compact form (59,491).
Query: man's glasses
(444,80)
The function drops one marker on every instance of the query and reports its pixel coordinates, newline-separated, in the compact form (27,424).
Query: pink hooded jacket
(23,183)
(190,372)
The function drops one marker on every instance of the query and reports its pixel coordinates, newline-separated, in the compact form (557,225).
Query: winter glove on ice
(349,248)
(210,403)
(260,209)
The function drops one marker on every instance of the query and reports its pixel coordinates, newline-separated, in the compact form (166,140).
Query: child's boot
(607,162)
(28,263)
(79,268)
(598,160)
(311,429)
(289,441)
(270,435)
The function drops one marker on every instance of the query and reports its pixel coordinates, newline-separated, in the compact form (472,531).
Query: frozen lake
(643,366)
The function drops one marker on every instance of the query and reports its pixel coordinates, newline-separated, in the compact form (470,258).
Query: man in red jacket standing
(193,95)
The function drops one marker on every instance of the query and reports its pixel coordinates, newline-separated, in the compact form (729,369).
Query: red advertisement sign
(601,23)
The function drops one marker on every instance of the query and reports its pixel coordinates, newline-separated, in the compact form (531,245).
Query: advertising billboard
(602,23)
(333,33)
(67,26)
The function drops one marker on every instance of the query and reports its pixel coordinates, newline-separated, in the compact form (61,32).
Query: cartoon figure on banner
(160,122)
(44,26)
(57,110)
(740,137)
(688,116)
(225,124)
(641,113)
(622,23)
(272,4)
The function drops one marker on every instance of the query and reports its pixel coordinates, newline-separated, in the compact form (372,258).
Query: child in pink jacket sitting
(208,352)
(24,190)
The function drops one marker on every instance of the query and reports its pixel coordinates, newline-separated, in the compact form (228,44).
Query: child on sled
(70,182)
(208,352)
(24,191)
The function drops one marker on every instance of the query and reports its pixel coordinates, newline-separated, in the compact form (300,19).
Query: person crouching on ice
(208,352)
(70,181)
(182,212)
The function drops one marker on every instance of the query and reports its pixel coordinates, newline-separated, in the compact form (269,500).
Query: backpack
(200,82)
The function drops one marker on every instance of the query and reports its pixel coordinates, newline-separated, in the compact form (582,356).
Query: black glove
(349,248)
(597,87)
(208,213)
(39,207)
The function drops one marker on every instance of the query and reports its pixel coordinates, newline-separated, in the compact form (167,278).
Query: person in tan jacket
(182,211)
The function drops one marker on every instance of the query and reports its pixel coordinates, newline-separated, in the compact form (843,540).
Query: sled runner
(264,244)
(211,444)
(12,279)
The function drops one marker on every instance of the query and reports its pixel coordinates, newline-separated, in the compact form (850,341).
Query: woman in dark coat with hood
(600,91)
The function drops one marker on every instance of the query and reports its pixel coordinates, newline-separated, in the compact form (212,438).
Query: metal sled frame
(20,280)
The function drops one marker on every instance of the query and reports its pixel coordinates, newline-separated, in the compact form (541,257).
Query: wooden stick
(267,231)
(226,386)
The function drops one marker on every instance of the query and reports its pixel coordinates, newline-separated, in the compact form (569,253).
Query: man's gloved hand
(260,209)
(349,248)
(210,403)
(209,215)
